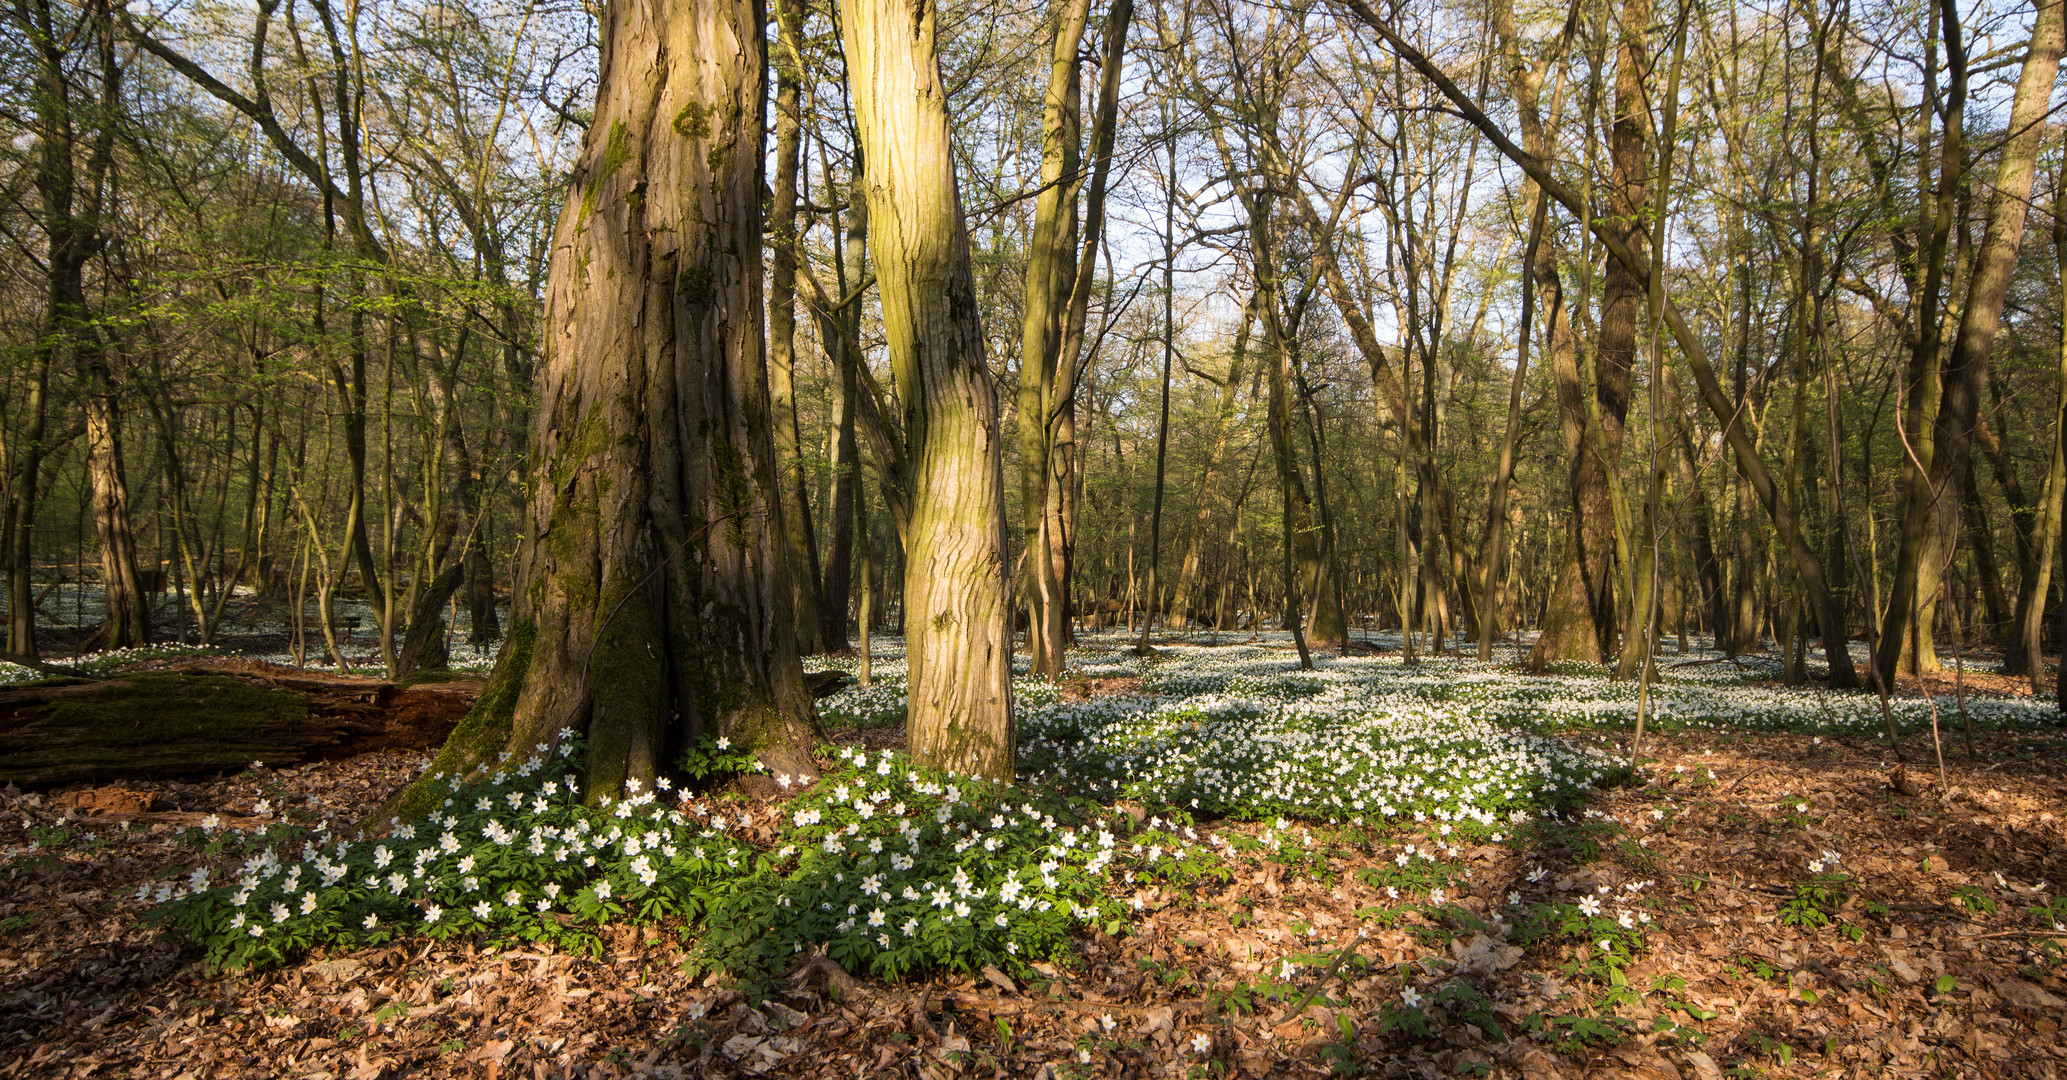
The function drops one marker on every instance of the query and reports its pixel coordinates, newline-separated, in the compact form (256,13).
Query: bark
(1050,277)
(2031,601)
(1905,628)
(1700,513)
(203,717)
(957,619)
(800,542)
(127,622)
(423,646)
(652,598)
(1543,291)
(1155,514)
(1965,378)
(1580,624)
(841,332)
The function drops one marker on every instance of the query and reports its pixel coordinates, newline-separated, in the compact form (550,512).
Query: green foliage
(1600,945)
(896,871)
(1816,901)
(713,760)
(1975,900)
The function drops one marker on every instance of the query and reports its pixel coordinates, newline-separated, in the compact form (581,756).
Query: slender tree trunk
(2031,601)
(1965,378)
(1155,516)
(1050,276)
(957,617)
(800,542)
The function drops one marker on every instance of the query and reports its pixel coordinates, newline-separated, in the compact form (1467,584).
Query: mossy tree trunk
(958,635)
(653,600)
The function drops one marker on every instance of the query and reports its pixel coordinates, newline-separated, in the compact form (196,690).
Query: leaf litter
(1930,952)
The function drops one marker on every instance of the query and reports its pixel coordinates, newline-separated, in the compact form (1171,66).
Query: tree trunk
(800,542)
(1581,622)
(1050,278)
(653,600)
(957,617)
(1965,378)
(1209,476)
(2032,597)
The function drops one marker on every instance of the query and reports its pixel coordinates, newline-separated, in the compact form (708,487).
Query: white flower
(370,921)
(1605,945)
(1412,997)
(481,910)
(433,914)
(1201,1043)
(1589,906)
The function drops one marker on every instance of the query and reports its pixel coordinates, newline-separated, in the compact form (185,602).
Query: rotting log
(202,717)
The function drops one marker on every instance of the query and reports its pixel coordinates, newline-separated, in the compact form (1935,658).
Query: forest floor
(1803,912)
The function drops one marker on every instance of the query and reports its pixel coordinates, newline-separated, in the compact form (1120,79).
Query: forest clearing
(1437,869)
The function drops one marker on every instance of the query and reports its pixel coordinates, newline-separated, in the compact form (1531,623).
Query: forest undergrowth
(1214,864)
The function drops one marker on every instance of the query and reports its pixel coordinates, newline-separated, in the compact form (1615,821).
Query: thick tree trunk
(653,599)
(957,618)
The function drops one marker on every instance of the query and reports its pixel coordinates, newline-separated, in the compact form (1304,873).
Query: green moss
(484,733)
(157,724)
(628,691)
(694,285)
(694,121)
(422,678)
(734,489)
(616,151)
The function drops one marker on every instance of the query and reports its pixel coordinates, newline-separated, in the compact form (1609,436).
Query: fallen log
(200,717)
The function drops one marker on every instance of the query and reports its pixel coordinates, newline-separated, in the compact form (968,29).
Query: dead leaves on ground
(1936,982)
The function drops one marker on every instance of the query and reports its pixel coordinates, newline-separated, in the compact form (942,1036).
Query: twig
(1327,976)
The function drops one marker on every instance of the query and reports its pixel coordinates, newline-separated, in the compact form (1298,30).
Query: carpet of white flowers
(891,869)
(1213,863)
